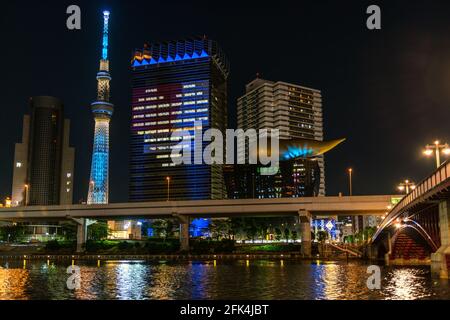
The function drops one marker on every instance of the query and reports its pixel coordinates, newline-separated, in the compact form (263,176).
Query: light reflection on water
(263,279)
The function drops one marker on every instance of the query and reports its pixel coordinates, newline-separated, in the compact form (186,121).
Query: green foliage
(277,234)
(286,233)
(272,247)
(162,228)
(322,236)
(12,233)
(125,245)
(251,229)
(220,228)
(98,230)
(94,246)
(55,246)
(155,246)
(236,227)
(294,235)
(259,228)
(69,231)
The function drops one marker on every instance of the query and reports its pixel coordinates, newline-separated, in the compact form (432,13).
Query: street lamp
(437,147)
(350,187)
(406,186)
(168,188)
(26,194)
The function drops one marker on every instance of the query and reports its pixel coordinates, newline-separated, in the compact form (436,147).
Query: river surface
(262,279)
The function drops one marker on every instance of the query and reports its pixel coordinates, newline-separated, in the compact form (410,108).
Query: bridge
(304,208)
(417,228)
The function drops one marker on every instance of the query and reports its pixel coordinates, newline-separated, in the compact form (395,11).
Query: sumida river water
(241,279)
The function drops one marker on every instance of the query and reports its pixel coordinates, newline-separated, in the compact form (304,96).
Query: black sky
(386,91)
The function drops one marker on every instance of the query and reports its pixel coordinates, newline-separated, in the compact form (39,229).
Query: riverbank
(171,257)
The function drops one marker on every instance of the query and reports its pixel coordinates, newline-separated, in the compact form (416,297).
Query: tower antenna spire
(105,35)
(102,110)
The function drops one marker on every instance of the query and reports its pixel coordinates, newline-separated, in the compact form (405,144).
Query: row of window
(161,114)
(166,105)
(154,123)
(178,95)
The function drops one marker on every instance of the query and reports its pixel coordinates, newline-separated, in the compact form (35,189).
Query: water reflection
(408,283)
(217,279)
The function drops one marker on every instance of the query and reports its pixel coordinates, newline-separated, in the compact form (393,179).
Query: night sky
(386,91)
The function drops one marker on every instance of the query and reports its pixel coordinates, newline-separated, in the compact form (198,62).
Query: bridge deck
(354,205)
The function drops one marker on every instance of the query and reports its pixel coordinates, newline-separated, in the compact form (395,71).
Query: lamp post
(406,186)
(26,194)
(168,188)
(350,187)
(437,147)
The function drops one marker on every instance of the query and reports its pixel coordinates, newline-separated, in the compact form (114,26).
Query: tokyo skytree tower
(103,111)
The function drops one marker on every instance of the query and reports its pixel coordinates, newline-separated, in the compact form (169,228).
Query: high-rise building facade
(103,110)
(44,161)
(295,110)
(295,178)
(174,84)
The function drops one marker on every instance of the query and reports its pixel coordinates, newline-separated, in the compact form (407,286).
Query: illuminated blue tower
(102,110)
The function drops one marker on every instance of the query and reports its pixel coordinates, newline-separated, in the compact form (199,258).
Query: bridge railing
(437,177)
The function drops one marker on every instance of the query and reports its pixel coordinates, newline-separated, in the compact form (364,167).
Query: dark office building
(295,178)
(43,163)
(174,84)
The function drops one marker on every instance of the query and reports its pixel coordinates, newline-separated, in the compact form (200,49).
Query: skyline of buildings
(176,83)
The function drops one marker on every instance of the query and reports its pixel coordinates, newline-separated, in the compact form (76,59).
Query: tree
(277,234)
(235,227)
(219,228)
(162,228)
(262,226)
(369,232)
(294,235)
(251,229)
(287,232)
(12,233)
(98,230)
(322,236)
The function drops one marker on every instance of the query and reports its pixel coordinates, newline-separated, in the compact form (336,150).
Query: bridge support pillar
(82,225)
(81,235)
(305,230)
(387,256)
(184,233)
(439,259)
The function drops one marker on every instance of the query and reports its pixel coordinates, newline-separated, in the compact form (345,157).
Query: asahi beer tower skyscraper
(103,111)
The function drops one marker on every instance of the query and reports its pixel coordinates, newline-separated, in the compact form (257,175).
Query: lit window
(69,175)
(19,165)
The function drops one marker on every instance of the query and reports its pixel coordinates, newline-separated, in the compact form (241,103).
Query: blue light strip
(105,35)
(186,56)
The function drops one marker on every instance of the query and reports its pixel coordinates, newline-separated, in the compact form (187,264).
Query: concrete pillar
(184,233)
(82,225)
(81,234)
(389,246)
(439,265)
(305,230)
